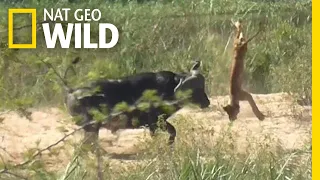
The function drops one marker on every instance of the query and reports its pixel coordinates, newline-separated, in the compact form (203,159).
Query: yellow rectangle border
(33,13)
(315,91)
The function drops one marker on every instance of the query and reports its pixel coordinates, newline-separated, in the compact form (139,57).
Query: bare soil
(287,123)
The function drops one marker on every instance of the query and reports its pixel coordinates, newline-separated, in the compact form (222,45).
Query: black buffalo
(108,93)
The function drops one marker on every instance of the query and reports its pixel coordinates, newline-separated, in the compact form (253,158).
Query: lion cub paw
(261,117)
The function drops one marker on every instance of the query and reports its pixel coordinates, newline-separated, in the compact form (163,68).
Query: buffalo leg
(91,132)
(152,119)
(172,133)
(152,128)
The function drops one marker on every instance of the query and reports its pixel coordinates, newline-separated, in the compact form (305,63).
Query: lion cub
(236,92)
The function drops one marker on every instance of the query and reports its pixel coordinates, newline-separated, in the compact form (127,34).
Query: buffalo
(108,93)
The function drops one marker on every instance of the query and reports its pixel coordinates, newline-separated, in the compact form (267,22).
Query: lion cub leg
(245,96)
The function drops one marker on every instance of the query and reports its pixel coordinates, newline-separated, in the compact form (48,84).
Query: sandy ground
(287,123)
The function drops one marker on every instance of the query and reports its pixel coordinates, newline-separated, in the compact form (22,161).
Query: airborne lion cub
(236,92)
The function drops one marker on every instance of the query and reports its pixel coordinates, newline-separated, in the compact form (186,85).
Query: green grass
(168,35)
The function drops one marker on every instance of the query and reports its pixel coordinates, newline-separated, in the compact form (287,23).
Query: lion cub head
(232,111)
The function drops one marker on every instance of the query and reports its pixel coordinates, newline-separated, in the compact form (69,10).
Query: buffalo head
(195,82)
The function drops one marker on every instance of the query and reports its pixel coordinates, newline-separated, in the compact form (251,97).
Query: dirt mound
(287,123)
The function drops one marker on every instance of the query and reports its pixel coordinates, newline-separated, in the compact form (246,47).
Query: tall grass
(167,35)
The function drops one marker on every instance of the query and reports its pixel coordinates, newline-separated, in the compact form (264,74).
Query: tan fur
(236,92)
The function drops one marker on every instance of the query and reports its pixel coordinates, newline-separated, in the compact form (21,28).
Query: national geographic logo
(80,30)
(33,13)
